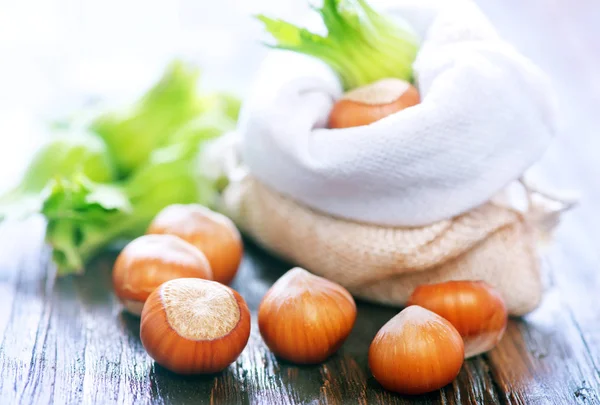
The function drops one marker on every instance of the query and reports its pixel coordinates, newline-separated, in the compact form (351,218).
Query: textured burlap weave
(384,264)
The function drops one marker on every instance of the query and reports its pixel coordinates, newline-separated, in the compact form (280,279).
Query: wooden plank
(22,351)
(99,358)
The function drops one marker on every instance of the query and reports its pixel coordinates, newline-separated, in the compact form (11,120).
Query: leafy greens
(108,181)
(361,45)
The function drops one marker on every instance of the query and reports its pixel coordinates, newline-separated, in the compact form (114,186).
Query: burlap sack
(384,264)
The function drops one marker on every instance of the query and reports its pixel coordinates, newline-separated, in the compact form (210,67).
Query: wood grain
(66,341)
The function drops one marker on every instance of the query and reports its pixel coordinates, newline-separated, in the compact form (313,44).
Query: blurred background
(59,55)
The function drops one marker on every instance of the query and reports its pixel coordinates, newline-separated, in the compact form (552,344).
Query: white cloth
(486,115)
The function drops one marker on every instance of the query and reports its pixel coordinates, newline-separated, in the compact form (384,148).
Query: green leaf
(82,217)
(96,188)
(221,103)
(189,139)
(109,198)
(285,33)
(68,153)
(133,134)
(291,37)
(167,181)
(361,46)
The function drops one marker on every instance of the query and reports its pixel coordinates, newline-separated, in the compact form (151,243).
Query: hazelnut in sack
(378,155)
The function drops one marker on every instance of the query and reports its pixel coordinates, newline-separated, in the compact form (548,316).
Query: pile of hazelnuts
(175,277)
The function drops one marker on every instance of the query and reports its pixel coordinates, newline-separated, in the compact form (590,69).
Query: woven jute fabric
(384,264)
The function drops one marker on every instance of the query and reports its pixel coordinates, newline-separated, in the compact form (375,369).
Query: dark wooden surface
(67,341)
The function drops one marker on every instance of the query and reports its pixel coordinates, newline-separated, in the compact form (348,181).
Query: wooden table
(67,341)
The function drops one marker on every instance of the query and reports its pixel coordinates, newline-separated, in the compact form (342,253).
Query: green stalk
(361,45)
